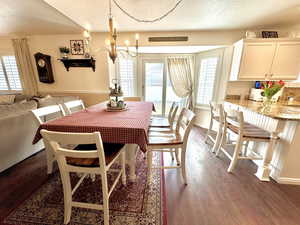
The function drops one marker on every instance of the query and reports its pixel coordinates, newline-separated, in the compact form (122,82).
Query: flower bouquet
(270,89)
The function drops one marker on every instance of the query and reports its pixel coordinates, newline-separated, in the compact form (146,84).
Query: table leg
(131,150)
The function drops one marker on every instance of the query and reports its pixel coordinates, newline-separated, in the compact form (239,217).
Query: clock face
(41,63)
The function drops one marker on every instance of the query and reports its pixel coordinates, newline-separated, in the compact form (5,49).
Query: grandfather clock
(44,68)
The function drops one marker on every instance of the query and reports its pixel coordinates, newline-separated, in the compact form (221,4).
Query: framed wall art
(77,47)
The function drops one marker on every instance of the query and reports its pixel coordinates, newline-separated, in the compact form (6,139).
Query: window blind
(12,72)
(9,74)
(126,75)
(3,82)
(206,81)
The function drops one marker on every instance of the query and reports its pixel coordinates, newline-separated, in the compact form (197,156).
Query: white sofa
(18,127)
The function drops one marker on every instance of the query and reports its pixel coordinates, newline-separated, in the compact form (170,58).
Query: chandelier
(111,42)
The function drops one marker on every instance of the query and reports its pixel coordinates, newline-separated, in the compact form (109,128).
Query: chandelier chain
(145,20)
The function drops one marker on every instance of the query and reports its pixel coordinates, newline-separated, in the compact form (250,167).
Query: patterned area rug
(133,204)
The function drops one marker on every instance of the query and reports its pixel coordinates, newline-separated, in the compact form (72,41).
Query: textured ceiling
(70,16)
(33,17)
(190,15)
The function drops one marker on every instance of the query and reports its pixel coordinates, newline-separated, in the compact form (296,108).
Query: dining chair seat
(111,150)
(162,138)
(160,129)
(251,131)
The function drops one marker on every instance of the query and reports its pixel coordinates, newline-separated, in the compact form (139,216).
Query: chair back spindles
(71,105)
(42,114)
(172,113)
(59,139)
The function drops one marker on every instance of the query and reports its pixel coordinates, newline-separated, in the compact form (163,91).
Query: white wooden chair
(43,115)
(216,116)
(171,142)
(234,123)
(71,105)
(97,158)
(162,122)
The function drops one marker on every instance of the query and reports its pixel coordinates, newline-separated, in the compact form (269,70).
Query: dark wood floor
(212,197)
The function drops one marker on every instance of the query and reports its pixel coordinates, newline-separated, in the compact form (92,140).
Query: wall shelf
(91,62)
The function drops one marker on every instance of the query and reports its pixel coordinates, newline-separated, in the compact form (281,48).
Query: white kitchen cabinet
(266,59)
(286,63)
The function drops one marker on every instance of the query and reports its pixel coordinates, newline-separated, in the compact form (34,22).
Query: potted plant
(270,88)
(64,51)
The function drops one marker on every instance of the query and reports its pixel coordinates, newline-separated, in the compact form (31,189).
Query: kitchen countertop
(278,110)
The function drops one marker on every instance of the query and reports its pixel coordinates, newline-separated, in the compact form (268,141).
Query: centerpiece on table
(270,89)
(116,102)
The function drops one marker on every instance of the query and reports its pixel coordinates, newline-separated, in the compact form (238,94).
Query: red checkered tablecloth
(126,127)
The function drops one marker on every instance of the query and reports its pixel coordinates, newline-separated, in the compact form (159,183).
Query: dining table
(129,127)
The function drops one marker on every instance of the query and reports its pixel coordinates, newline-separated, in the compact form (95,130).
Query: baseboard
(288,180)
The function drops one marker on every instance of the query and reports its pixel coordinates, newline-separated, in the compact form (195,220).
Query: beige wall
(6,45)
(83,79)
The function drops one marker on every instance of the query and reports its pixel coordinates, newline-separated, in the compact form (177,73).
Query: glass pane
(12,72)
(154,73)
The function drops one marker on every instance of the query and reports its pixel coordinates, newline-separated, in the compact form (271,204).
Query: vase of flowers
(64,51)
(270,88)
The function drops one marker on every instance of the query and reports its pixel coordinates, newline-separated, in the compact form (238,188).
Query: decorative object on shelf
(269,34)
(91,62)
(270,89)
(87,40)
(77,47)
(44,68)
(250,34)
(64,51)
(116,102)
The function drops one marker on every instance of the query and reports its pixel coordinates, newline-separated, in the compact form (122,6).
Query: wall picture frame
(77,47)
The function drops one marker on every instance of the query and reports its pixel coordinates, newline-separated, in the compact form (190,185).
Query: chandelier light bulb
(127,43)
(137,36)
(107,42)
(86,34)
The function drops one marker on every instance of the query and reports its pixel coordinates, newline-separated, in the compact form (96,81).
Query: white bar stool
(216,115)
(234,123)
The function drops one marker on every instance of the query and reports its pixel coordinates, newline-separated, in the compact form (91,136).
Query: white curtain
(23,59)
(181,72)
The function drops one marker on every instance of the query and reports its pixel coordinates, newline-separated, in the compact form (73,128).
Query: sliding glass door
(157,87)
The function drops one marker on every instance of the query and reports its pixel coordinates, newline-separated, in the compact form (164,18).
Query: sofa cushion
(7,99)
(17,108)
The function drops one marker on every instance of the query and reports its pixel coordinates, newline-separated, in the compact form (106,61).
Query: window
(206,80)
(126,76)
(9,74)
